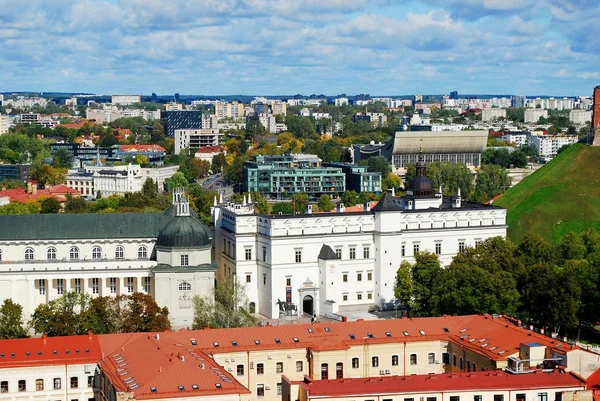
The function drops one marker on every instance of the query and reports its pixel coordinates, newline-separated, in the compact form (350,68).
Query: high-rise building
(176,97)
(173,120)
(154,97)
(454,95)
(596,116)
(518,101)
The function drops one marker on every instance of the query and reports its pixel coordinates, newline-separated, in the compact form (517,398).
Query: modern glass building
(358,178)
(292,174)
(178,119)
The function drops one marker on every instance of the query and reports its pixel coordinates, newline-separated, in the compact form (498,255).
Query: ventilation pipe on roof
(90,334)
(157,336)
(182,358)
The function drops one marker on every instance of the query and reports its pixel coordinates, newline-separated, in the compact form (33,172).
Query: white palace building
(328,263)
(166,255)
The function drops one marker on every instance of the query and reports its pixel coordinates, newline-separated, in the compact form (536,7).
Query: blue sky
(382,47)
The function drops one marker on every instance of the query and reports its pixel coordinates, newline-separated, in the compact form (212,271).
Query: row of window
(352,252)
(359,296)
(39,384)
(359,276)
(52,254)
(497,397)
(438,247)
(77,285)
(260,368)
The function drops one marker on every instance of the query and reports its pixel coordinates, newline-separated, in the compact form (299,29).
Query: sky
(284,47)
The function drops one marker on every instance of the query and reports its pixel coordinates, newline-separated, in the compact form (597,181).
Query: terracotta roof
(168,369)
(210,149)
(49,351)
(142,148)
(441,382)
(78,125)
(21,195)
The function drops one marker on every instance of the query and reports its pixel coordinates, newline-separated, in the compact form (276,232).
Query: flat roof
(411,142)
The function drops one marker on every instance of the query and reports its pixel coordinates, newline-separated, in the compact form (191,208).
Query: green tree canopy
(229,309)
(11,320)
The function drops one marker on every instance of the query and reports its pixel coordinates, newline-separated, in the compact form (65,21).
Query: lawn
(560,197)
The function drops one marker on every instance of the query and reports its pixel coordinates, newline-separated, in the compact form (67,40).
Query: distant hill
(560,197)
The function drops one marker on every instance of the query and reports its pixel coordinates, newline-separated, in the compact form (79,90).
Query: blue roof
(534,344)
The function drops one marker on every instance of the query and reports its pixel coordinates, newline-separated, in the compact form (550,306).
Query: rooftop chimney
(341,208)
(367,206)
(34,188)
(309,209)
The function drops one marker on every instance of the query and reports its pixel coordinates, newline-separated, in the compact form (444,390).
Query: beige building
(396,359)
(533,115)
(492,114)
(233,110)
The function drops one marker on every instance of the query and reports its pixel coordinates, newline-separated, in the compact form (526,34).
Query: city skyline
(253,47)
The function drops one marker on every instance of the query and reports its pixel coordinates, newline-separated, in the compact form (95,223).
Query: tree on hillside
(350,198)
(491,181)
(230,307)
(11,318)
(177,180)
(390,181)
(283,208)
(300,202)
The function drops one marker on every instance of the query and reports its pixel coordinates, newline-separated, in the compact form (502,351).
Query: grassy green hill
(560,197)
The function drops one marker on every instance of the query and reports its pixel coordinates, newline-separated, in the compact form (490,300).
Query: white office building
(194,138)
(126,99)
(338,262)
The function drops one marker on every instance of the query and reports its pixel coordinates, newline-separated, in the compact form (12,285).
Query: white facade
(233,110)
(158,174)
(126,99)
(533,115)
(492,114)
(5,123)
(580,117)
(126,256)
(107,115)
(548,145)
(270,254)
(22,102)
(69,382)
(194,138)
(116,180)
(517,139)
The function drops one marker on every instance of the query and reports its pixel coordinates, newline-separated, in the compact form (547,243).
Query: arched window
(394,360)
(142,252)
(74,253)
(355,363)
(119,252)
(375,361)
(339,370)
(413,359)
(185,286)
(96,252)
(29,254)
(51,253)
(324,371)
(252,307)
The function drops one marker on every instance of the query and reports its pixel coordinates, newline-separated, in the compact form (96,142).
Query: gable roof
(327,253)
(81,226)
(385,204)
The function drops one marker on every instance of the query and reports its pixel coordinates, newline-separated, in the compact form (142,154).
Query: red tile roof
(21,195)
(211,149)
(441,382)
(142,148)
(49,351)
(78,125)
(168,368)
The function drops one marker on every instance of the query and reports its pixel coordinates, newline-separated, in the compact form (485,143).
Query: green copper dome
(184,232)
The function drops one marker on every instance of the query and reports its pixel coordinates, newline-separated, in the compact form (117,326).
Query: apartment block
(292,174)
(493,114)
(532,116)
(197,138)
